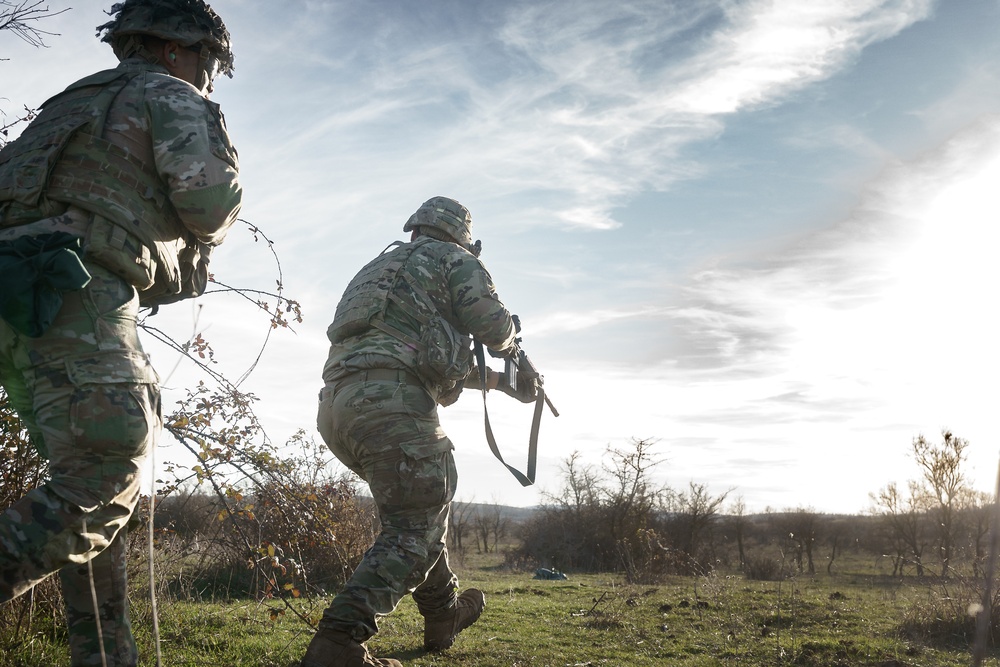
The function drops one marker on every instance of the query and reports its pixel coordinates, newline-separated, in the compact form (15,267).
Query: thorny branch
(17,16)
(29,115)
(220,429)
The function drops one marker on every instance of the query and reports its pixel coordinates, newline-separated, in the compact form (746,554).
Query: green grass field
(829,620)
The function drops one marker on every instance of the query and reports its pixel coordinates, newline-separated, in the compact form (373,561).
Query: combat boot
(441,629)
(337,649)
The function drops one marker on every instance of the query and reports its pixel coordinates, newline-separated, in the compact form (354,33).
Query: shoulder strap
(527,478)
(423,318)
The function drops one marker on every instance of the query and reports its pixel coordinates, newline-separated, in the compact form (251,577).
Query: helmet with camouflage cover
(187,22)
(445,215)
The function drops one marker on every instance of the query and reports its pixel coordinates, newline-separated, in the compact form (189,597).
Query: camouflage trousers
(388,433)
(91,404)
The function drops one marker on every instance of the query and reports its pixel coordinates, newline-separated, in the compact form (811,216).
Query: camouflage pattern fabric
(149,194)
(159,176)
(460,290)
(185,21)
(91,403)
(388,432)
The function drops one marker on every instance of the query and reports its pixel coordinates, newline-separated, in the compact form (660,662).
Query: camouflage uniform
(378,415)
(147,178)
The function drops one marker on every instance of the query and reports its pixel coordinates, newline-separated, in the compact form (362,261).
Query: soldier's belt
(374,375)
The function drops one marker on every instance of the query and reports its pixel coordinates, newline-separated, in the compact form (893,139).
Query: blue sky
(760,232)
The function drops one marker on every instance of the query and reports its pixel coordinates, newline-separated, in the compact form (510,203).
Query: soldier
(112,198)
(400,343)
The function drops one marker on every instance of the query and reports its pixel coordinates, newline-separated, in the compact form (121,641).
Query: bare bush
(21,468)
(763,568)
(946,614)
(616,520)
(302,529)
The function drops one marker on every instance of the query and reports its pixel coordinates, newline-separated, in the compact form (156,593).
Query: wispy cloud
(770,48)
(575,321)
(854,284)
(568,109)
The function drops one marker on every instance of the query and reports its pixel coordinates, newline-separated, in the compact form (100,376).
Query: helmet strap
(204,81)
(134,46)
(435,233)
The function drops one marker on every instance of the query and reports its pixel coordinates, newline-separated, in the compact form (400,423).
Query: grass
(857,619)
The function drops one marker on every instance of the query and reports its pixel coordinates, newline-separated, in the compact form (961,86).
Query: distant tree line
(614,518)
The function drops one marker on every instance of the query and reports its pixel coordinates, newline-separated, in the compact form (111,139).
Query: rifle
(521,380)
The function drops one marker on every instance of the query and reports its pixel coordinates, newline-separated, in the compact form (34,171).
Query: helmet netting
(185,21)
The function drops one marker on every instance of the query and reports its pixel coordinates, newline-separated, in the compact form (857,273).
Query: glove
(472,380)
(527,388)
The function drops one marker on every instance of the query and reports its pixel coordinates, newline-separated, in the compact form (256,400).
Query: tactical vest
(444,356)
(61,157)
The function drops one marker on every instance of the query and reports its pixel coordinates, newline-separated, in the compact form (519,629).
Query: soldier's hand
(526,392)
(492,378)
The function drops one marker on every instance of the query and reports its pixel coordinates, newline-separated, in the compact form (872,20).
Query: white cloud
(785,366)
(774,47)
(919,236)
(580,105)
(859,337)
(574,321)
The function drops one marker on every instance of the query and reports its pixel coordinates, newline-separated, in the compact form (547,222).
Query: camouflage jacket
(460,290)
(135,161)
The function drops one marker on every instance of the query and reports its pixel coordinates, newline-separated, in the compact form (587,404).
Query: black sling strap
(525,479)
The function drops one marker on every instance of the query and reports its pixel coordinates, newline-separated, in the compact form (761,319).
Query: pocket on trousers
(421,450)
(427,473)
(115,405)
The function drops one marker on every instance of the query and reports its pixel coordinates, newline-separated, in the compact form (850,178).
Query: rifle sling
(525,479)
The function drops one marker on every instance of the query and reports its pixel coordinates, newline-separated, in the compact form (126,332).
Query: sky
(761,233)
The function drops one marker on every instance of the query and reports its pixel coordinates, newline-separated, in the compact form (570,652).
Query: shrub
(762,568)
(21,468)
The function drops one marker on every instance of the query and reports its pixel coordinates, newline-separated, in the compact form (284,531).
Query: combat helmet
(447,216)
(187,22)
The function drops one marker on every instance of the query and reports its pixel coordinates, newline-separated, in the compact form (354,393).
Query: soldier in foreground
(112,197)
(400,346)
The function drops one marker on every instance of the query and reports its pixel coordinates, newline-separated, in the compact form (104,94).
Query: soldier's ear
(167,55)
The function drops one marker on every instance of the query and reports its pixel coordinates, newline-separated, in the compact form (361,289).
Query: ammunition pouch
(444,354)
(188,278)
(121,253)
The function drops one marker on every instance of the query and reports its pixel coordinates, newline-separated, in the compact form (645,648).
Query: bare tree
(738,519)
(943,487)
(836,529)
(581,485)
(481,526)
(902,516)
(630,496)
(19,17)
(979,508)
(801,526)
(694,512)
(459,520)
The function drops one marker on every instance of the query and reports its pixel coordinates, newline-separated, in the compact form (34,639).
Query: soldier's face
(209,70)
